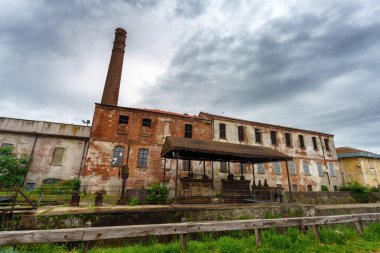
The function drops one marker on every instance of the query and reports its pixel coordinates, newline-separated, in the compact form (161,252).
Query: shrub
(360,193)
(13,167)
(324,188)
(157,194)
(133,201)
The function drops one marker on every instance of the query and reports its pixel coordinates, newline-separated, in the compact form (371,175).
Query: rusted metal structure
(201,150)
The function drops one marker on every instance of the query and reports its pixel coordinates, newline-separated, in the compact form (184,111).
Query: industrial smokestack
(112,85)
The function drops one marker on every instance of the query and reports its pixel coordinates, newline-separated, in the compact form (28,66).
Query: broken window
(186,165)
(258,135)
(332,170)
(277,168)
(302,142)
(309,188)
(288,140)
(146,122)
(30,186)
(223,167)
(273,137)
(222,131)
(123,119)
(188,131)
(142,161)
(118,154)
(57,156)
(4,145)
(295,187)
(315,143)
(327,144)
(292,168)
(241,133)
(51,181)
(306,168)
(261,169)
(319,167)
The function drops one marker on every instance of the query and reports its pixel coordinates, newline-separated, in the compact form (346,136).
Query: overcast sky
(304,64)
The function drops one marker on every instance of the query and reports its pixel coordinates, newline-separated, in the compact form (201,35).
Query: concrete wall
(364,170)
(39,139)
(301,155)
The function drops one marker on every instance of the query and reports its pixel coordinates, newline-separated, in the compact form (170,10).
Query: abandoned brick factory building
(215,152)
(134,138)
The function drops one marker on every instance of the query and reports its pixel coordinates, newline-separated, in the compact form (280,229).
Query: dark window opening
(223,167)
(186,165)
(143,158)
(309,188)
(147,122)
(118,155)
(188,131)
(273,137)
(327,144)
(288,140)
(30,186)
(295,188)
(302,142)
(222,131)
(335,188)
(51,181)
(258,135)
(241,133)
(123,119)
(315,143)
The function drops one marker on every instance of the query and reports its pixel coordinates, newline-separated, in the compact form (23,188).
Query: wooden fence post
(86,244)
(258,237)
(184,237)
(359,227)
(315,230)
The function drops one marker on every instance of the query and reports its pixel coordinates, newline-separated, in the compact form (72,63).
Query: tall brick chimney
(112,85)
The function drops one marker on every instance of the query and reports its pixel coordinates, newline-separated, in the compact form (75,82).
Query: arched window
(118,154)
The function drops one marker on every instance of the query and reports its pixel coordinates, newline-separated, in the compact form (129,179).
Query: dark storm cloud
(275,66)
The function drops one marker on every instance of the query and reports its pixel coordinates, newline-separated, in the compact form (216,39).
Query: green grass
(341,238)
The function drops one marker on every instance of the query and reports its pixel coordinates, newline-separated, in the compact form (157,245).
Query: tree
(13,167)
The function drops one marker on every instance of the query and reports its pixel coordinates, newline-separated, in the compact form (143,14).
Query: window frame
(117,150)
(123,119)
(188,131)
(258,135)
(142,159)
(223,168)
(146,122)
(273,137)
(302,141)
(277,168)
(327,144)
(260,168)
(292,172)
(306,167)
(315,144)
(222,131)
(288,140)
(55,162)
(320,169)
(241,133)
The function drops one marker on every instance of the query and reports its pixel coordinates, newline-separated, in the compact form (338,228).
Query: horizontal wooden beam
(101,233)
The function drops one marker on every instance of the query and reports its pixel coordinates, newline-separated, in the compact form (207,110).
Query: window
(277,168)
(118,154)
(188,131)
(309,188)
(306,168)
(295,187)
(332,170)
(273,137)
(51,181)
(288,140)
(57,156)
(186,165)
(241,133)
(222,131)
(147,122)
(319,167)
(315,143)
(4,145)
(261,169)
(143,158)
(223,167)
(258,135)
(327,144)
(302,142)
(30,186)
(335,188)
(292,168)
(123,119)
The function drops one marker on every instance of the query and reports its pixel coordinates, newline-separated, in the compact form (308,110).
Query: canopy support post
(176,178)
(241,169)
(212,174)
(289,186)
(253,175)
(229,170)
(163,183)
(204,168)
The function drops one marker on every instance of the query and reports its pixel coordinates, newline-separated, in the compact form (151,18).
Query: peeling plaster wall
(363,170)
(45,137)
(301,155)
(107,133)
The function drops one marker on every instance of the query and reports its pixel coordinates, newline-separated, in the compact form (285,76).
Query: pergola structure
(201,150)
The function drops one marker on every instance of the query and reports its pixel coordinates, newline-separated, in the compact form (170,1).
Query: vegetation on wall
(13,167)
(157,193)
(324,188)
(361,193)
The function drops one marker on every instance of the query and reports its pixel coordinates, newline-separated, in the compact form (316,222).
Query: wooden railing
(184,228)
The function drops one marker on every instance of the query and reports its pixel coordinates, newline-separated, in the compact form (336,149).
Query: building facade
(359,166)
(57,149)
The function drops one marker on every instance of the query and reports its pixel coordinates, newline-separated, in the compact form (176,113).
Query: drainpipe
(84,154)
(31,161)
(324,160)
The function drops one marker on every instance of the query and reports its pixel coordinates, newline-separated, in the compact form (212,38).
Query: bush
(13,167)
(133,201)
(157,194)
(360,193)
(324,188)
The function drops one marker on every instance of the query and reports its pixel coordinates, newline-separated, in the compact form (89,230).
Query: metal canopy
(191,149)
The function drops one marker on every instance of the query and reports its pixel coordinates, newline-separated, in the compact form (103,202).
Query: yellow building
(359,166)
